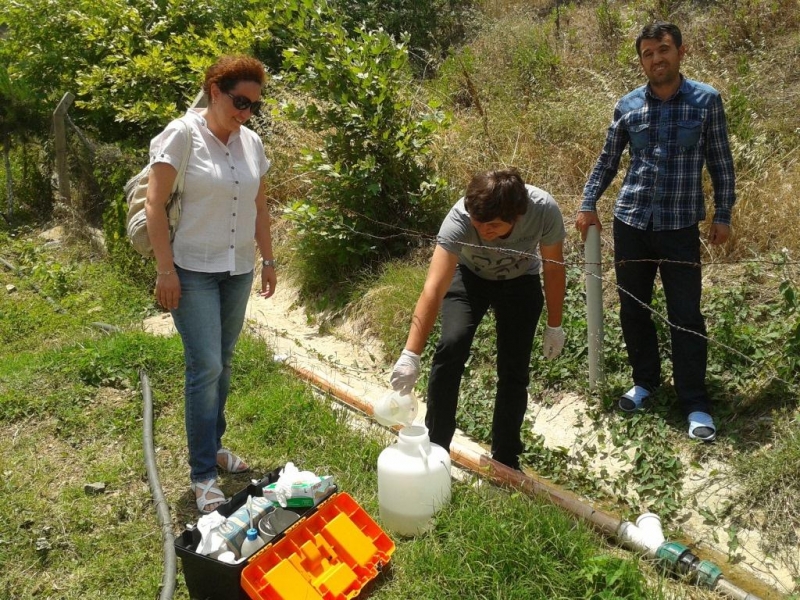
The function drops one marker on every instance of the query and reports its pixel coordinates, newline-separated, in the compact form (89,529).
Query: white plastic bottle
(413,481)
(252,543)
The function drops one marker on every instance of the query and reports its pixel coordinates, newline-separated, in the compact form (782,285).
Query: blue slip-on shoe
(701,427)
(633,399)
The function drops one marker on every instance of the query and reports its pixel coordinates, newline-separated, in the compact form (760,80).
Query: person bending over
(491,250)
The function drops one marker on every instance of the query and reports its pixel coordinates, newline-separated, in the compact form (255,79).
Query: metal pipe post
(594,305)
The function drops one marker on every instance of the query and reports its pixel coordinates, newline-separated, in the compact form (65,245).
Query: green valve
(708,573)
(669,553)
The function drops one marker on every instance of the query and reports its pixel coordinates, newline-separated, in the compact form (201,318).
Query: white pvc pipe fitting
(631,536)
(649,525)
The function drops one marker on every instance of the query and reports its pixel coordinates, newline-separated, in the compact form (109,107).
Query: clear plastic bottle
(252,543)
(235,527)
(396,408)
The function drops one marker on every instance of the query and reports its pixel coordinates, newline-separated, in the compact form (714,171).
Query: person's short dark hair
(657,31)
(228,71)
(499,194)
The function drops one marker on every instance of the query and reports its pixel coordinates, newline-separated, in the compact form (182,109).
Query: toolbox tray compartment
(332,553)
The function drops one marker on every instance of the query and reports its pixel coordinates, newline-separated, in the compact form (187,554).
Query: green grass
(387,301)
(771,484)
(71,414)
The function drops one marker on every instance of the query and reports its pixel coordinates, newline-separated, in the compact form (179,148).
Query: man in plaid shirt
(672,127)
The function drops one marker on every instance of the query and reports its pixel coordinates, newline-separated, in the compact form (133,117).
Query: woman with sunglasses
(204,276)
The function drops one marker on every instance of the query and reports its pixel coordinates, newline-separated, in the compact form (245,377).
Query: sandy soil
(350,360)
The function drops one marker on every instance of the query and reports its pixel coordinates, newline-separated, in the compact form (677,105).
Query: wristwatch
(268,263)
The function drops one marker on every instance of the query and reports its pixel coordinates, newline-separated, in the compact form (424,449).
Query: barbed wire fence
(785,263)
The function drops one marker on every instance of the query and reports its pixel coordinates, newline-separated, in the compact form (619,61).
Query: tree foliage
(135,65)
(432,26)
(373,172)
(132,65)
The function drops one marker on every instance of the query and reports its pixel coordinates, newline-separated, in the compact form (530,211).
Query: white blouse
(216,231)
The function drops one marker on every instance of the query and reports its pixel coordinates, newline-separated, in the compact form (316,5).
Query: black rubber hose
(162,508)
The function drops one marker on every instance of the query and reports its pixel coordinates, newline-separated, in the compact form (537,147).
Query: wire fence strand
(783,262)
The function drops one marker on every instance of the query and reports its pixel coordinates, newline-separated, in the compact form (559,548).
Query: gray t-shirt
(508,258)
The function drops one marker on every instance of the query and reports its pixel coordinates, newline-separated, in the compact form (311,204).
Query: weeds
(770,479)
(387,302)
(70,416)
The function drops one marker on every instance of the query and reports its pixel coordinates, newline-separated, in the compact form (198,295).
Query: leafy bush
(535,63)
(112,170)
(32,192)
(373,175)
(609,21)
(132,65)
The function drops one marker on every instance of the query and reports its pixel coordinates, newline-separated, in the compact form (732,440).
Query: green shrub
(373,177)
(131,65)
(112,170)
(535,63)
(31,187)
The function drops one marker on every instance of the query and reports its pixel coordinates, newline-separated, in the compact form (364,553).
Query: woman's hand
(268,281)
(168,289)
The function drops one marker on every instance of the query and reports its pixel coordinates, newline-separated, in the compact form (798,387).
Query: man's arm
(719,162)
(603,173)
(440,275)
(555,282)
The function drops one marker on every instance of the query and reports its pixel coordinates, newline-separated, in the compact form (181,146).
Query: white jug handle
(423,453)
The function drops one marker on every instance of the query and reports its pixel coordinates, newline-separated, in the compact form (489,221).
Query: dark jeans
(682,288)
(517,305)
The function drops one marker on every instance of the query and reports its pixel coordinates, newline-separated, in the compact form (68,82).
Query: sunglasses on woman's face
(243,103)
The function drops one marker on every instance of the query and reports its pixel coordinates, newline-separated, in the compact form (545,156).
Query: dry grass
(284,141)
(553,129)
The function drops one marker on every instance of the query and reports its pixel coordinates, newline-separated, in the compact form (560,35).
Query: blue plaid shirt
(669,141)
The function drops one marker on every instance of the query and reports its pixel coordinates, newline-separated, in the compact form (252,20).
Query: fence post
(60,134)
(594,305)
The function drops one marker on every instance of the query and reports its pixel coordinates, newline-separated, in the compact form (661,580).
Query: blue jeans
(209,319)
(517,305)
(682,281)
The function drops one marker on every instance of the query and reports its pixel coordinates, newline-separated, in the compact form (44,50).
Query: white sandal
(209,486)
(701,427)
(228,461)
(633,399)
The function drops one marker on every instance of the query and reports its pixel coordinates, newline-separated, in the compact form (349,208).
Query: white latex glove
(210,539)
(405,372)
(289,476)
(553,342)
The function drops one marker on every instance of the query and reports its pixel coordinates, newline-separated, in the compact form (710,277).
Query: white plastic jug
(413,481)
(396,408)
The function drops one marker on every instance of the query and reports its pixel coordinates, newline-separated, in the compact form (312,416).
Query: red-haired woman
(205,274)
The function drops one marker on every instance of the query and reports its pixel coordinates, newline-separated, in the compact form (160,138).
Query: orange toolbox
(331,554)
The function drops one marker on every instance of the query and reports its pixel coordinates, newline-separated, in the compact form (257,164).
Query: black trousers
(517,305)
(637,254)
